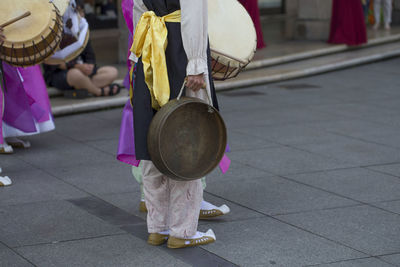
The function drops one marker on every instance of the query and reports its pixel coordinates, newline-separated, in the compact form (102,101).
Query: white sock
(7,148)
(166,232)
(207,206)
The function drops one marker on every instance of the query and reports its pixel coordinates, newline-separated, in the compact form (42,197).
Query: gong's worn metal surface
(187,139)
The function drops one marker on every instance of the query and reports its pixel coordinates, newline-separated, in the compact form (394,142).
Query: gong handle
(204,87)
(11,21)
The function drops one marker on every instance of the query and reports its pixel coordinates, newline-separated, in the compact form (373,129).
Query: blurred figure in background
(347,23)
(252,7)
(387,13)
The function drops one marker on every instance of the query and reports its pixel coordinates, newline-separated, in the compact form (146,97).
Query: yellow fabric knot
(150,42)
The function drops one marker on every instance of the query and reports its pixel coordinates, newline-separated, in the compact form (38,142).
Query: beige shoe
(142,206)
(218,211)
(6,149)
(157,239)
(18,143)
(204,239)
(387,26)
(5,181)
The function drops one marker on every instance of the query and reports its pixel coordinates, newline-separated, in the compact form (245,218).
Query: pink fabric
(35,88)
(347,23)
(1,116)
(252,8)
(171,204)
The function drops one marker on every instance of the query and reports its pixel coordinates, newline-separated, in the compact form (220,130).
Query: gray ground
(314,181)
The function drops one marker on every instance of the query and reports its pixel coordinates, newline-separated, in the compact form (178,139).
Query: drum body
(233,38)
(187,139)
(75,36)
(31,40)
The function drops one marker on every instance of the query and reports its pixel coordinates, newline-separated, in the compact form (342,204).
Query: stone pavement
(314,181)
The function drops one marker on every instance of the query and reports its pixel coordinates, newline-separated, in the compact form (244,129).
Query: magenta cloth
(347,23)
(17,110)
(252,8)
(35,88)
(126,146)
(1,116)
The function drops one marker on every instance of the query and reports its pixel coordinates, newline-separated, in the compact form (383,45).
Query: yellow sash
(150,42)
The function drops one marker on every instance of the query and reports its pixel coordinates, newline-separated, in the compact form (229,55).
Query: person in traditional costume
(126,147)
(175,31)
(347,23)
(387,13)
(252,8)
(27,108)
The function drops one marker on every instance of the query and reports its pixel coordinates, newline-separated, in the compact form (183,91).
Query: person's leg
(156,192)
(185,200)
(78,80)
(387,13)
(105,76)
(377,13)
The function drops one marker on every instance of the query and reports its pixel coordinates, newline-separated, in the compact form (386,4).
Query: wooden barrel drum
(31,40)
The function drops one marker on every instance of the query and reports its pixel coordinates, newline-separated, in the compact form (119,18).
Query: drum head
(30,27)
(231,31)
(187,139)
(62,5)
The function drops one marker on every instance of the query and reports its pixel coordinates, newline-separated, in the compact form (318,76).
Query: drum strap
(150,42)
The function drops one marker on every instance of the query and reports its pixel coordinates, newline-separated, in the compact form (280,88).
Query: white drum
(75,36)
(232,36)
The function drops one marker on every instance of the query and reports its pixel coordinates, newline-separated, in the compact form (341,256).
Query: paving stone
(11,259)
(393,169)
(108,146)
(47,222)
(114,114)
(267,242)
(11,163)
(240,142)
(393,206)
(394,259)
(292,134)
(274,195)
(87,128)
(364,228)
(237,172)
(271,116)
(65,156)
(356,183)
(355,152)
(99,178)
(33,186)
(119,250)
(367,262)
(286,160)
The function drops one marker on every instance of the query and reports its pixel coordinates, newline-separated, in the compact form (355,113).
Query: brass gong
(187,139)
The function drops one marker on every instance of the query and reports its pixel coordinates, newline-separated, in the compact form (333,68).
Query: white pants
(387,10)
(172,205)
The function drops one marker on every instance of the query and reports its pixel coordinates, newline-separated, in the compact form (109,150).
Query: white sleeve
(138,9)
(194,27)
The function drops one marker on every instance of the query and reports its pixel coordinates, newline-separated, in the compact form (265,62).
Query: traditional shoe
(18,143)
(5,181)
(199,239)
(142,206)
(209,211)
(157,239)
(6,149)
(387,26)
(376,26)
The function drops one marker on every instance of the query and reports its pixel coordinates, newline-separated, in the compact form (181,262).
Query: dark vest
(176,60)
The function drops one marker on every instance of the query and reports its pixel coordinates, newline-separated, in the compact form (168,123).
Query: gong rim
(160,158)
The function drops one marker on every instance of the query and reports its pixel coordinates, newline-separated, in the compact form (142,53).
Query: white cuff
(197,66)
(133,57)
